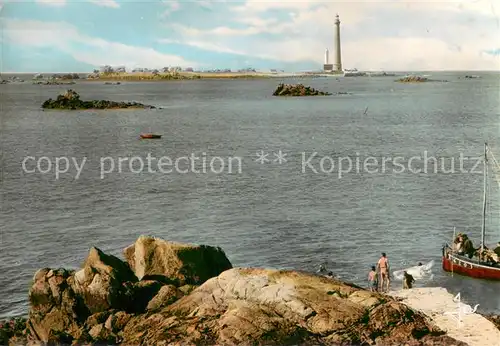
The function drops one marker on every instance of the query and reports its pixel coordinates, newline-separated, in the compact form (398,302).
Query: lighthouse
(337,64)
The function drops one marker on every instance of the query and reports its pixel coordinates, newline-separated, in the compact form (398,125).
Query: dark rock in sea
(52,82)
(146,301)
(413,79)
(343,93)
(297,90)
(417,79)
(71,100)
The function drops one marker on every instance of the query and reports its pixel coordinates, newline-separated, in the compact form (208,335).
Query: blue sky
(69,35)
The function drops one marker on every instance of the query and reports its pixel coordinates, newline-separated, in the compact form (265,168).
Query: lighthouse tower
(327,67)
(337,63)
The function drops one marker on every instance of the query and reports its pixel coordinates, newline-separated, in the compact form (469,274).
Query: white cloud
(60,3)
(105,3)
(214,47)
(90,50)
(204,3)
(57,3)
(410,35)
(172,6)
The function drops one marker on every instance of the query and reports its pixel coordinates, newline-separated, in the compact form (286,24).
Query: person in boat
(383,270)
(489,257)
(373,280)
(497,249)
(458,244)
(408,280)
(465,246)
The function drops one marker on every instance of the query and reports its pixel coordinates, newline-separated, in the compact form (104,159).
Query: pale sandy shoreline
(439,305)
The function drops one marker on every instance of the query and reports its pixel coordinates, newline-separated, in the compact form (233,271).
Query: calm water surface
(270,214)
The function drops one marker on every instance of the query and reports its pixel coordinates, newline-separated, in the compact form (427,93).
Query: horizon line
(305,71)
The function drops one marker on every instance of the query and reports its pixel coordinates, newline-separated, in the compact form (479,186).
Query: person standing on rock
(373,280)
(383,270)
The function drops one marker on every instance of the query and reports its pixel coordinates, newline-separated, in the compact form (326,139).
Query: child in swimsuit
(373,280)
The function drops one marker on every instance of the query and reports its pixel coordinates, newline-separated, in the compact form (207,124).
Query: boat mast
(484,196)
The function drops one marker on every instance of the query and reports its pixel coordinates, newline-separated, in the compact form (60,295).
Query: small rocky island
(53,82)
(413,79)
(71,100)
(297,90)
(417,79)
(167,293)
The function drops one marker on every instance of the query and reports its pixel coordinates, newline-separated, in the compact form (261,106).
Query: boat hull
(464,266)
(150,136)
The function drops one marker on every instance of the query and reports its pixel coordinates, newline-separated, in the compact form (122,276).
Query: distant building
(189,69)
(106,69)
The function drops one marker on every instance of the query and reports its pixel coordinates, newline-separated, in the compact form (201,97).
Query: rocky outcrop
(100,282)
(105,303)
(173,262)
(248,306)
(413,79)
(417,79)
(13,330)
(62,300)
(13,79)
(297,90)
(53,82)
(71,100)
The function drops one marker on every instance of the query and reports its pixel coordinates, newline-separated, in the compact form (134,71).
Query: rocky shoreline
(441,306)
(167,293)
(70,100)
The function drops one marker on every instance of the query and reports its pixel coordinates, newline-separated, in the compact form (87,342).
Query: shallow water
(271,214)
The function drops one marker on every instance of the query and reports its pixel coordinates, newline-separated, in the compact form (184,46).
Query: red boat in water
(455,263)
(150,136)
(479,265)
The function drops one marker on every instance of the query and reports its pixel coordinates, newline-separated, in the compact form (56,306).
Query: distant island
(70,100)
(109,73)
